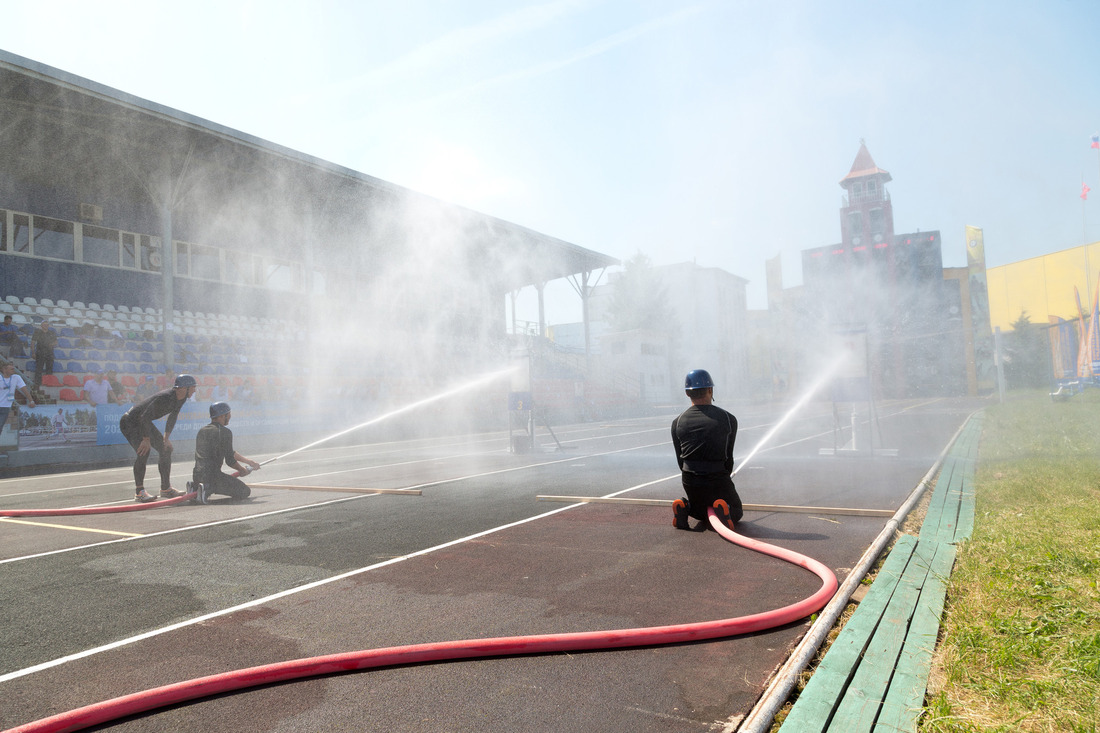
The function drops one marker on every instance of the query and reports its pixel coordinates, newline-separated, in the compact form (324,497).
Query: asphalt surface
(93,607)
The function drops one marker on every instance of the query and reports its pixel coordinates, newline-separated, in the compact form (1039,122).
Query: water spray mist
(822,378)
(484,379)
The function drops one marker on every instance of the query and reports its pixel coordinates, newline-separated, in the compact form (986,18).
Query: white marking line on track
(311,506)
(189,528)
(292,591)
(324,581)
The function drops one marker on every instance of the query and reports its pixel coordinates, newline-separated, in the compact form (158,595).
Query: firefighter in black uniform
(137,426)
(703,437)
(213,447)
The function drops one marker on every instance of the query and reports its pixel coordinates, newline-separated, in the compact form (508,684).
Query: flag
(1085,191)
(1095,142)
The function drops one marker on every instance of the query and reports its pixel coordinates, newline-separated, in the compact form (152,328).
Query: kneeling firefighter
(213,447)
(703,436)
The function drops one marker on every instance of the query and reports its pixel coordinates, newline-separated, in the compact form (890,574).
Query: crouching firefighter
(213,447)
(703,436)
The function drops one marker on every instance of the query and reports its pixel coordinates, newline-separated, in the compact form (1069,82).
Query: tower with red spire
(885,285)
(867,217)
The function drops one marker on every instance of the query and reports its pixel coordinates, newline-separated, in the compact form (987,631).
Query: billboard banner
(75,424)
(985,368)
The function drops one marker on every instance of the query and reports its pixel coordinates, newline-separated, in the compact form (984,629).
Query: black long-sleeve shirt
(703,436)
(160,404)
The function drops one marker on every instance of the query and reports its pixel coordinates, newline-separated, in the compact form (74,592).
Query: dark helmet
(217,409)
(698,379)
(185,380)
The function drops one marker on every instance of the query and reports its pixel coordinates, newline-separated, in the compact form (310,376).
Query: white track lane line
(292,591)
(325,581)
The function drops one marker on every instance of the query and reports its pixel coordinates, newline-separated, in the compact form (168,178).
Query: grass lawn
(1020,636)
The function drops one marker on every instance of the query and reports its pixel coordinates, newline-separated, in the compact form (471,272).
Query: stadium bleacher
(127,339)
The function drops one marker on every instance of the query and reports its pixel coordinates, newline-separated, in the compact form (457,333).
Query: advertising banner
(985,368)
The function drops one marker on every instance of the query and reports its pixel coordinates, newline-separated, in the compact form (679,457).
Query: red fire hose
(159,697)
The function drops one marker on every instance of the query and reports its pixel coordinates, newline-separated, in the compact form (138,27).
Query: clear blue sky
(713,131)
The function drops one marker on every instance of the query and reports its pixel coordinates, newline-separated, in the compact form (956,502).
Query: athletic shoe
(200,494)
(170,493)
(144,496)
(722,511)
(680,514)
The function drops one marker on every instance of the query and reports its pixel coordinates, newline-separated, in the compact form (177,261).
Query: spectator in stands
(213,447)
(121,396)
(246,393)
(10,385)
(97,391)
(10,343)
(145,389)
(142,434)
(166,381)
(221,391)
(43,343)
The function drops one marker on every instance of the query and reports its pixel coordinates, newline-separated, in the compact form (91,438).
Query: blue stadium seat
(94,355)
(74,367)
(147,368)
(63,343)
(111,367)
(93,366)
(76,354)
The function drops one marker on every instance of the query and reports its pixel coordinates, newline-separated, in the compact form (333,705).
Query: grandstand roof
(230,188)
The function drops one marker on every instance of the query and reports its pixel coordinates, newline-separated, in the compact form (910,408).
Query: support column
(167,273)
(540,288)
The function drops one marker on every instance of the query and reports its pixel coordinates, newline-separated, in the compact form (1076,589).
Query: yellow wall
(1043,286)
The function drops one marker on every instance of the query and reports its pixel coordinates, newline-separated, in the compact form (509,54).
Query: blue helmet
(698,379)
(185,380)
(217,409)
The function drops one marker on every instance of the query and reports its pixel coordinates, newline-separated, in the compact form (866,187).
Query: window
(182,250)
(150,253)
(238,268)
(99,246)
(855,224)
(279,275)
(872,189)
(129,250)
(21,233)
(54,238)
(878,221)
(205,263)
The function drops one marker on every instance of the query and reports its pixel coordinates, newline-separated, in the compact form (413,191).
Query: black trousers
(703,490)
(217,482)
(132,431)
(43,364)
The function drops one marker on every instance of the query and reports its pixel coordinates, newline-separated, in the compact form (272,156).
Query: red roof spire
(864,166)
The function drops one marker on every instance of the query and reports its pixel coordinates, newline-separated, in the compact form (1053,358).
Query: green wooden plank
(905,700)
(815,705)
(966,510)
(930,527)
(859,707)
